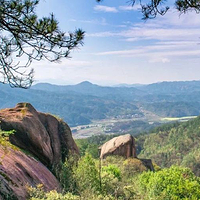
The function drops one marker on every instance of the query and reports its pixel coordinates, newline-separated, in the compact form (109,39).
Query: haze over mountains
(81,103)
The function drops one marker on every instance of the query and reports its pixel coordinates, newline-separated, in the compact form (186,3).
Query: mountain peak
(85,83)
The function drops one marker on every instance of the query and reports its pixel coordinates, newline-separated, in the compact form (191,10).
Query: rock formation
(42,136)
(17,171)
(123,145)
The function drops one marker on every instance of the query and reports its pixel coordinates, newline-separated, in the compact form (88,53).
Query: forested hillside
(174,144)
(80,104)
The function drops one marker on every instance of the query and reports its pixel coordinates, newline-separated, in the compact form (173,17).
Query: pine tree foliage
(24,38)
(152,8)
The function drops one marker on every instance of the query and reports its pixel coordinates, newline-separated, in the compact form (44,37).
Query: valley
(90,109)
(133,126)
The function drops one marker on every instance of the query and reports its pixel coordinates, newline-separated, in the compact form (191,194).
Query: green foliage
(66,174)
(22,34)
(86,147)
(173,144)
(38,193)
(151,9)
(111,180)
(4,139)
(133,166)
(173,183)
(86,174)
(118,181)
(113,170)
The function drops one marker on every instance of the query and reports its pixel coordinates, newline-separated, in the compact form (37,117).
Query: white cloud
(171,27)
(161,52)
(105,9)
(159,34)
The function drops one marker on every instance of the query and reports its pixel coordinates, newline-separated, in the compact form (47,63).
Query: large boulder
(43,135)
(19,171)
(123,145)
(42,141)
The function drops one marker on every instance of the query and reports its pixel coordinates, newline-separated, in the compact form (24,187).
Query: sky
(120,47)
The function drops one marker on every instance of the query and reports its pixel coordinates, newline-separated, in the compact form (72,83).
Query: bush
(39,194)
(170,183)
(86,174)
(133,166)
(66,174)
(113,170)
(110,179)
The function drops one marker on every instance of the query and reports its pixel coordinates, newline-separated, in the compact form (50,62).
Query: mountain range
(81,103)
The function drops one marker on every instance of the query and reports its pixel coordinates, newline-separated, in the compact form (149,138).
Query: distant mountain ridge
(81,103)
(160,87)
(172,87)
(88,88)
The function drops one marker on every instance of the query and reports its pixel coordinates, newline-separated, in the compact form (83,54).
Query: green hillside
(171,144)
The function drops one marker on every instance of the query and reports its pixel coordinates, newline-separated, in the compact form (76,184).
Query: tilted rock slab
(43,135)
(123,145)
(19,171)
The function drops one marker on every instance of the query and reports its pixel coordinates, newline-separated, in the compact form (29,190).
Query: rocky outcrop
(42,142)
(18,171)
(148,164)
(123,145)
(43,135)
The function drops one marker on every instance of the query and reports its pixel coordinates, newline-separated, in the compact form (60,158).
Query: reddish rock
(123,145)
(17,171)
(43,135)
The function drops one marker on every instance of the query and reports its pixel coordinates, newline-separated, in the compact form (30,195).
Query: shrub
(133,166)
(86,174)
(39,194)
(110,179)
(170,183)
(113,170)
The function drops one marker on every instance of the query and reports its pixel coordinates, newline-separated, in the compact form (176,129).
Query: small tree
(24,36)
(86,174)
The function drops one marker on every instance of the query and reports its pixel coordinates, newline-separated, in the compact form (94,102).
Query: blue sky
(119,47)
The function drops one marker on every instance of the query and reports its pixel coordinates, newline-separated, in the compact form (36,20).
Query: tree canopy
(24,38)
(152,8)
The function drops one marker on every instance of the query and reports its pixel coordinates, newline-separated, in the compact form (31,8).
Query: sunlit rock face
(43,135)
(42,141)
(123,145)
